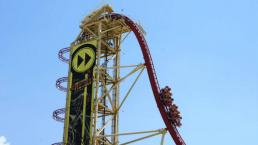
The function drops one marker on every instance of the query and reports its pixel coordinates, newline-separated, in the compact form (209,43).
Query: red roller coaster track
(152,76)
(171,127)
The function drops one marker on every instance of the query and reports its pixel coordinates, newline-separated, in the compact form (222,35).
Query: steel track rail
(152,75)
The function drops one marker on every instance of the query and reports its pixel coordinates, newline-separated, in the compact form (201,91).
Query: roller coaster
(100,101)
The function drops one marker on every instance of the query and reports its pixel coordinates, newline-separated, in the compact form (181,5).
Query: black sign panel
(80,95)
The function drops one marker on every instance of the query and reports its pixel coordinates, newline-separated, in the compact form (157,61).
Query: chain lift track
(167,108)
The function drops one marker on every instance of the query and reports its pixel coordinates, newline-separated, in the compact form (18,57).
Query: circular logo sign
(83,59)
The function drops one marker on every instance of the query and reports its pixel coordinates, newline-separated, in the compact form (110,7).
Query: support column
(96,100)
(116,90)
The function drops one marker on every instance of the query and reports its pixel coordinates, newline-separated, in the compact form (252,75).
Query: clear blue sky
(206,50)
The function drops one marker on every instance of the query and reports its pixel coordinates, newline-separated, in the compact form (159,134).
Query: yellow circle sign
(83,59)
